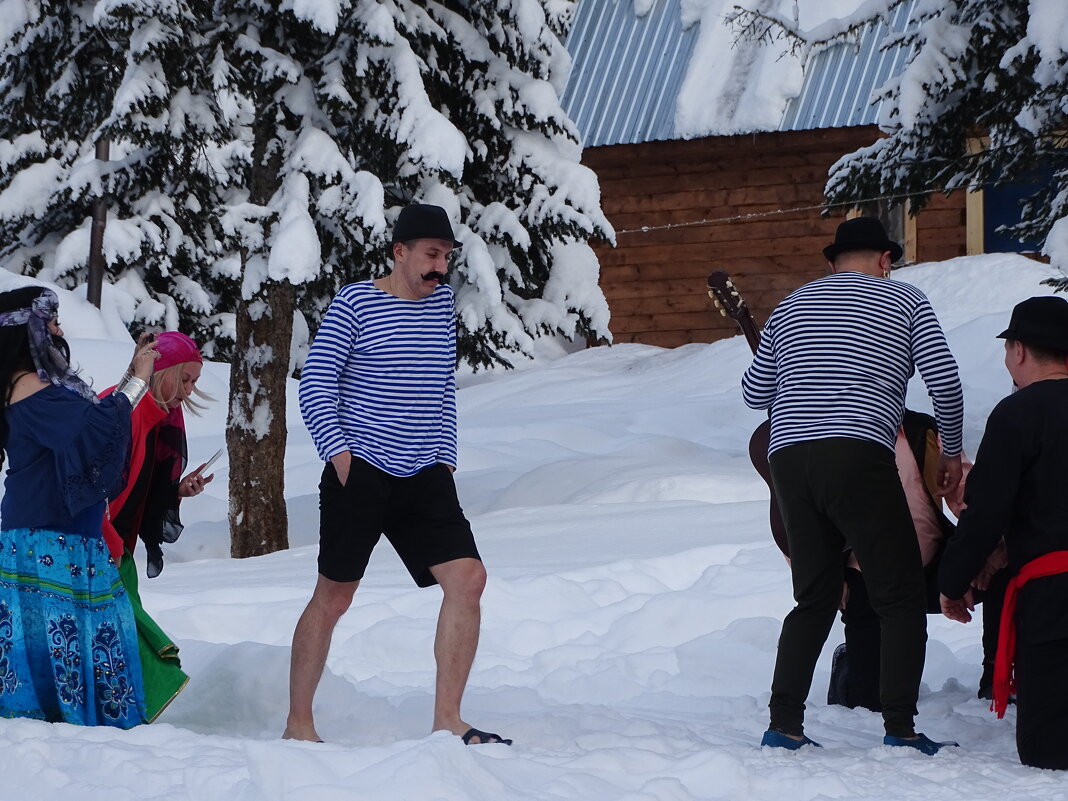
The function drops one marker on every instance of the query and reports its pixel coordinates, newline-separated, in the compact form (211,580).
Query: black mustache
(433,275)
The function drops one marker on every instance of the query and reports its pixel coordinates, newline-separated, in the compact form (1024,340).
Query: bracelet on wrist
(134,389)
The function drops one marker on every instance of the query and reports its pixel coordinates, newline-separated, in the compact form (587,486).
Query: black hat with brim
(1042,322)
(423,221)
(862,233)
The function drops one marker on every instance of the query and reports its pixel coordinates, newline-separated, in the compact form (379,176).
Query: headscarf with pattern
(51,365)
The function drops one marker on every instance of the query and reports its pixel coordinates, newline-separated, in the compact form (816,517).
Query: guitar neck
(749,330)
(730,303)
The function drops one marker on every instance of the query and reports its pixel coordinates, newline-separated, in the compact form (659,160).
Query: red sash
(1004,682)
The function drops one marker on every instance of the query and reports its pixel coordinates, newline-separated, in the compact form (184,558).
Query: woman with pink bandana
(147,507)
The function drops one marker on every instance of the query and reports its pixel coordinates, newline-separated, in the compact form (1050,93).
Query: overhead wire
(758,214)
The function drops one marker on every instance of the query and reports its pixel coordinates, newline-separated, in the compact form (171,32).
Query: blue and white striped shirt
(380,379)
(836,356)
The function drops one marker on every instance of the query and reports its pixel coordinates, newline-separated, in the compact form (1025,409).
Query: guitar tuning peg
(712,294)
(734,293)
(722,312)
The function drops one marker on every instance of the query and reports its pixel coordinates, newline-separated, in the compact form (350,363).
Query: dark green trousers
(833,493)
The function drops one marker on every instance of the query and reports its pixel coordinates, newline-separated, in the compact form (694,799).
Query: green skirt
(160,668)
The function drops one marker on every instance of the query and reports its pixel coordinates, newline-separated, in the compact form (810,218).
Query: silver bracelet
(134,389)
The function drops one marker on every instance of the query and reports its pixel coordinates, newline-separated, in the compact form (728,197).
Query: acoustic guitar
(731,304)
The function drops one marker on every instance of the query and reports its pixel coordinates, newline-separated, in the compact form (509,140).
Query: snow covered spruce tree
(261,69)
(144,76)
(357,109)
(323,119)
(990,69)
(530,206)
(125,74)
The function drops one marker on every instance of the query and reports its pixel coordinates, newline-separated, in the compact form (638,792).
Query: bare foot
(469,734)
(306,733)
(472,736)
(477,737)
(457,727)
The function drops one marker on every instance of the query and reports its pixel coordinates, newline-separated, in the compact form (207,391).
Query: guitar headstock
(731,304)
(726,296)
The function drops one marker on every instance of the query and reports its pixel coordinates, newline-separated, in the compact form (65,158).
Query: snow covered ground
(630,621)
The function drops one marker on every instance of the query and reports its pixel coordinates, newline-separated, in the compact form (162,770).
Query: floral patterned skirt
(68,641)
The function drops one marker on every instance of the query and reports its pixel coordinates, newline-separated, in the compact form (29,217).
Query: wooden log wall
(942,228)
(654,278)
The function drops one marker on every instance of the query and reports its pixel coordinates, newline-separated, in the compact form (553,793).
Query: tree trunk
(95,285)
(256,426)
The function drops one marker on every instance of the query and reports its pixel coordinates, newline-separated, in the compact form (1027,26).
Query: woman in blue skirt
(68,644)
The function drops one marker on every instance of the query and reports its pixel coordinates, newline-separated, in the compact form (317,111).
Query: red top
(147,415)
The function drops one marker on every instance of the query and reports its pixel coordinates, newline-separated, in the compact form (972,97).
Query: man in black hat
(1016,490)
(378,395)
(832,368)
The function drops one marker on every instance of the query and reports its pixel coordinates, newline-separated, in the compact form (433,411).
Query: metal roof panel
(626,70)
(840,81)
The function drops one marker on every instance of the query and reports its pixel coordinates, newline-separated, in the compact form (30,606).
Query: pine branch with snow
(530,205)
(127,73)
(982,101)
(260,152)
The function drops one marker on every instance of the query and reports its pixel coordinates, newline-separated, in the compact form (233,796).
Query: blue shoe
(776,739)
(922,743)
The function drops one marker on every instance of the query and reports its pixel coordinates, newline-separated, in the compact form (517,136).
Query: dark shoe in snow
(921,742)
(484,737)
(776,739)
(986,683)
(836,691)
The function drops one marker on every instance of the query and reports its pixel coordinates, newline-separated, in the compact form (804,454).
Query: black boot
(986,682)
(837,692)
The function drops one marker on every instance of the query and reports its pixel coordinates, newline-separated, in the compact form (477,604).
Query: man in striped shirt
(832,368)
(378,394)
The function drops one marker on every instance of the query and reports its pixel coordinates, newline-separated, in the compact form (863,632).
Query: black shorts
(420,516)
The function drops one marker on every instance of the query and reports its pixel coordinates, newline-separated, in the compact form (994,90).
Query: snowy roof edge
(628,70)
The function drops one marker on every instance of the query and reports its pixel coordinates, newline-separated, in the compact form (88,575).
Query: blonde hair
(175,370)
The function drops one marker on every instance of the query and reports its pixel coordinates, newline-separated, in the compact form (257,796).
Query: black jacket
(1017,490)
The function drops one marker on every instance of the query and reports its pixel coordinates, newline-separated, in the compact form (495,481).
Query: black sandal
(484,737)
